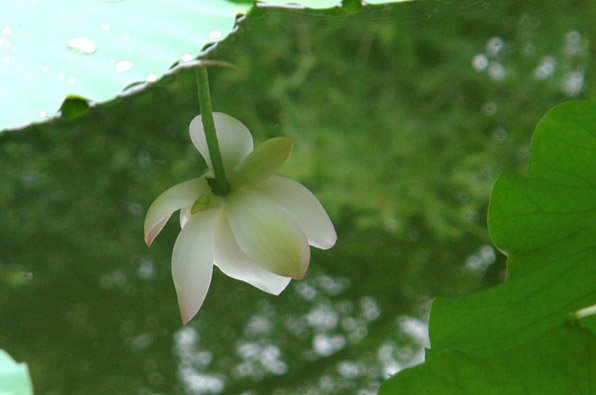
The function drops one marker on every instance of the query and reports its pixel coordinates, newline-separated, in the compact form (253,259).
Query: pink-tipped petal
(234,139)
(178,196)
(267,234)
(192,262)
(234,263)
(303,207)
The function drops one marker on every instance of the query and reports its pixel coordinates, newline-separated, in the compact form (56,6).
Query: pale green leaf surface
(323,4)
(14,377)
(119,43)
(314,4)
(384,1)
(545,222)
(561,361)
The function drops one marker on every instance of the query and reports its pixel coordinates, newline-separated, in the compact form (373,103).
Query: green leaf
(511,338)
(14,377)
(561,361)
(314,4)
(95,49)
(545,222)
(73,107)
(384,1)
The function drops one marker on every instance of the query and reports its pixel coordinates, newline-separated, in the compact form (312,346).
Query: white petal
(192,262)
(303,207)
(267,235)
(234,263)
(184,215)
(234,139)
(178,196)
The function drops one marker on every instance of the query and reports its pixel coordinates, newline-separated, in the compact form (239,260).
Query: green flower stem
(222,186)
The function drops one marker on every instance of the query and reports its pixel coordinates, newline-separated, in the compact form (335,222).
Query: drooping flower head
(258,233)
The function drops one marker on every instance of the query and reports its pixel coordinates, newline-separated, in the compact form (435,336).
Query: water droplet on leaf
(214,34)
(123,65)
(81,45)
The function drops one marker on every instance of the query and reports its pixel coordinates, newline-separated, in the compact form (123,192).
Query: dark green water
(403,116)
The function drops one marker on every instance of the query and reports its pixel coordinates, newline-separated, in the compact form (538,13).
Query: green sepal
(201,204)
(263,162)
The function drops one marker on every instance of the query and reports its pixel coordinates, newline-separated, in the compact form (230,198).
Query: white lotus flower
(259,233)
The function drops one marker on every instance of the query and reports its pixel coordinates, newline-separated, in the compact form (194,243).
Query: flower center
(215,187)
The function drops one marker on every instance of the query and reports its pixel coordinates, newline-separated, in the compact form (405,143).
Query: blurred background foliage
(403,116)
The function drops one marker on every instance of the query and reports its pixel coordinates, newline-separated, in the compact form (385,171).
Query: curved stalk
(221,186)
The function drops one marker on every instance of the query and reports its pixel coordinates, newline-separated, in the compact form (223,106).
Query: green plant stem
(222,186)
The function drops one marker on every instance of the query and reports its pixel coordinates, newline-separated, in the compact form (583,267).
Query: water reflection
(571,62)
(489,108)
(146,269)
(500,134)
(546,68)
(258,360)
(481,260)
(412,145)
(573,82)
(330,323)
(496,71)
(192,364)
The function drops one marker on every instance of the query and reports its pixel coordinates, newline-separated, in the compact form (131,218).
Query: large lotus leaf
(322,4)
(51,50)
(14,377)
(315,4)
(561,361)
(94,49)
(383,1)
(545,222)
